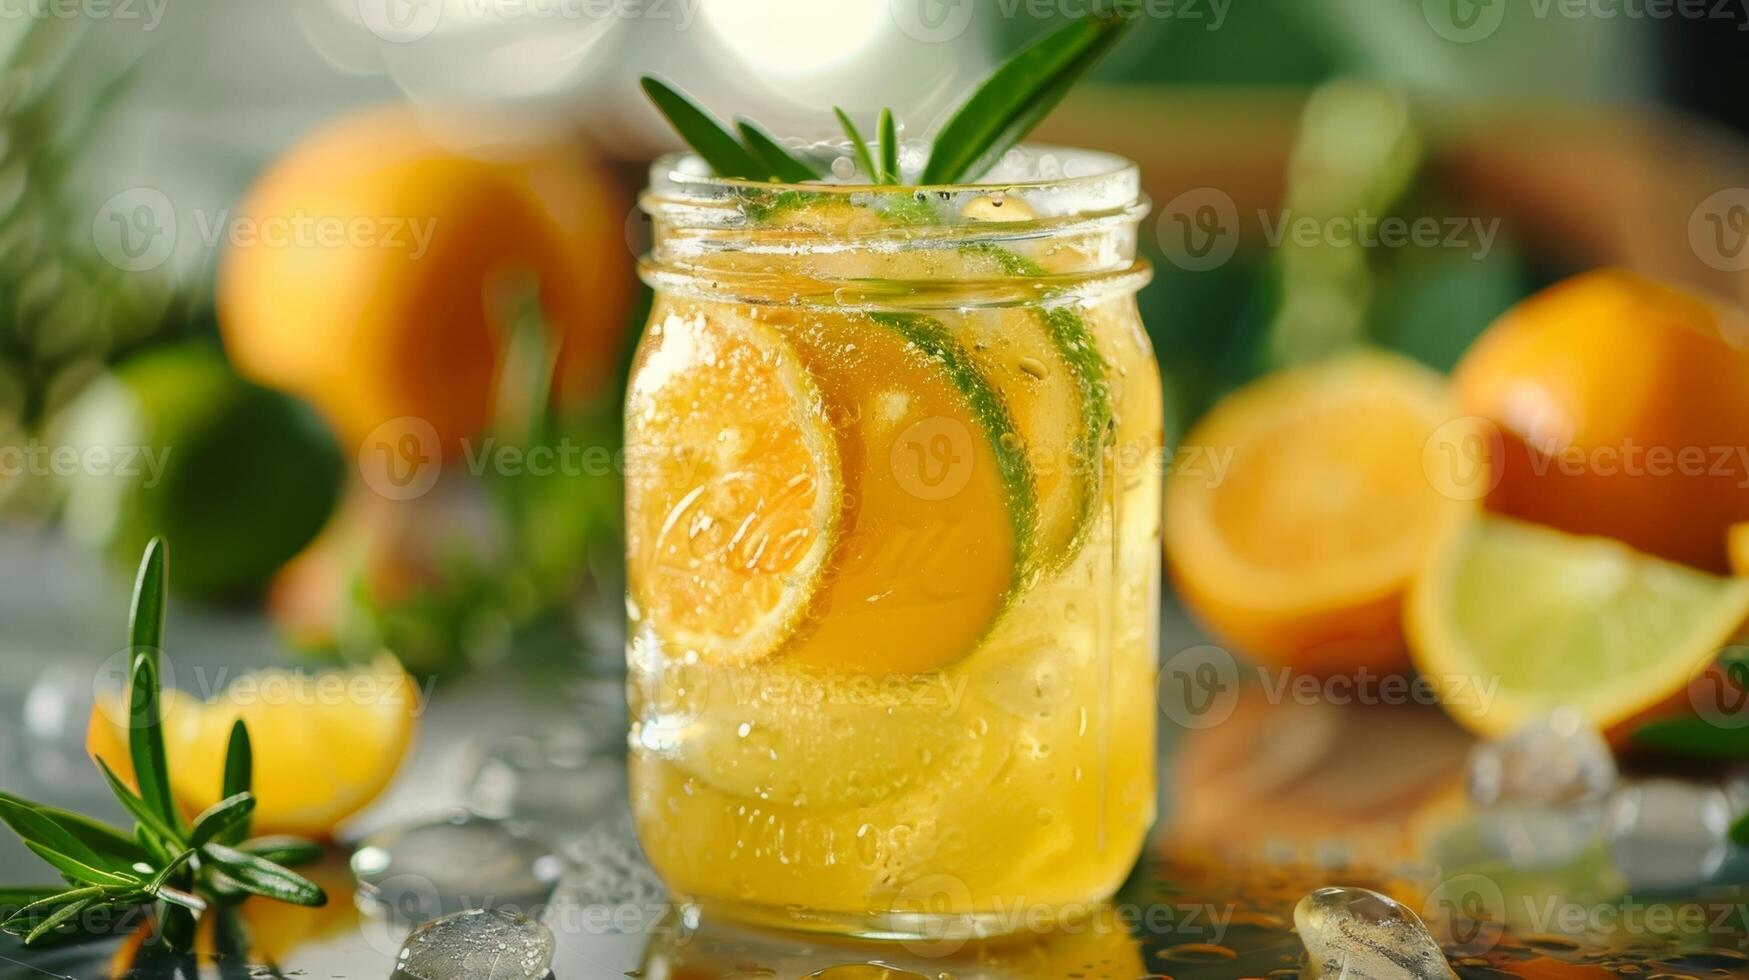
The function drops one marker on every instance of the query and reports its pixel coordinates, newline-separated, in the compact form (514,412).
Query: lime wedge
(1510,620)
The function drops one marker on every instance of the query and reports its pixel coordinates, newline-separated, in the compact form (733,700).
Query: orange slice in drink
(733,490)
(1297,538)
(825,485)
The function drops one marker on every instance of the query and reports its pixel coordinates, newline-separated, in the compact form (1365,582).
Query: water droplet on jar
(1034,367)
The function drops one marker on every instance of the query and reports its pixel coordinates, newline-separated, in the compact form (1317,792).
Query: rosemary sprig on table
(998,114)
(168,863)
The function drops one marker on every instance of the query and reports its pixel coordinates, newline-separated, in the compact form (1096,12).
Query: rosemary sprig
(858,145)
(1018,96)
(168,864)
(998,114)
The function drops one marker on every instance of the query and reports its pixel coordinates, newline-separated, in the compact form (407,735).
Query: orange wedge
(325,744)
(1322,487)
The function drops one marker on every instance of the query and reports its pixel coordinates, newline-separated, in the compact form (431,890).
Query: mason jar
(893,521)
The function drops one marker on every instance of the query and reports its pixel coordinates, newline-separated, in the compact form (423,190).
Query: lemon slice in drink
(733,487)
(1509,620)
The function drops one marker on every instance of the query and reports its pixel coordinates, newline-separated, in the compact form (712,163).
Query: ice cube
(1356,934)
(478,944)
(1557,760)
(1668,833)
(461,861)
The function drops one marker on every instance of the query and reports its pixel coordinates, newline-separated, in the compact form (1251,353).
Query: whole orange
(1622,409)
(372,269)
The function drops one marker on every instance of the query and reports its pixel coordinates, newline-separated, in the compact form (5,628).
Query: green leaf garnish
(78,870)
(889,140)
(701,131)
(57,917)
(239,778)
(111,847)
(288,851)
(995,117)
(858,145)
(147,817)
(263,877)
(1017,96)
(165,862)
(181,899)
(32,825)
(222,817)
(780,164)
(145,720)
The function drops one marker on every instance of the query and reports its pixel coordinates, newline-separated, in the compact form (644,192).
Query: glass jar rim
(1094,179)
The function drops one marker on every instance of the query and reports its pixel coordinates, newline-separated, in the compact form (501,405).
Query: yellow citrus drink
(892,528)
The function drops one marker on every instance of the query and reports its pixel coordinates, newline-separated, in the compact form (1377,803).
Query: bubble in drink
(1668,833)
(478,944)
(1356,934)
(1557,760)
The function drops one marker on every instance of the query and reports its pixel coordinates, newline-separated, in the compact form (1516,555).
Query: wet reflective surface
(1280,798)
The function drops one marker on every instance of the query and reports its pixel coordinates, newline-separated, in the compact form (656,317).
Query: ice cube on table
(478,944)
(1558,759)
(1668,833)
(460,861)
(1356,934)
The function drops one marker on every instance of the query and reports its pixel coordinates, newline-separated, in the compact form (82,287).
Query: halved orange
(1510,620)
(325,744)
(1318,491)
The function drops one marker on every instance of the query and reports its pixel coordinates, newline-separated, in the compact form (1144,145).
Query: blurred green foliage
(240,477)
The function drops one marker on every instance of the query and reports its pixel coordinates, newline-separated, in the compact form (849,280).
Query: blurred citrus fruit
(1509,620)
(240,477)
(370,269)
(1323,488)
(1738,541)
(1624,410)
(325,744)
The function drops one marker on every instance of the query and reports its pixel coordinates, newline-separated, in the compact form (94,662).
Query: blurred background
(241,240)
(276,279)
